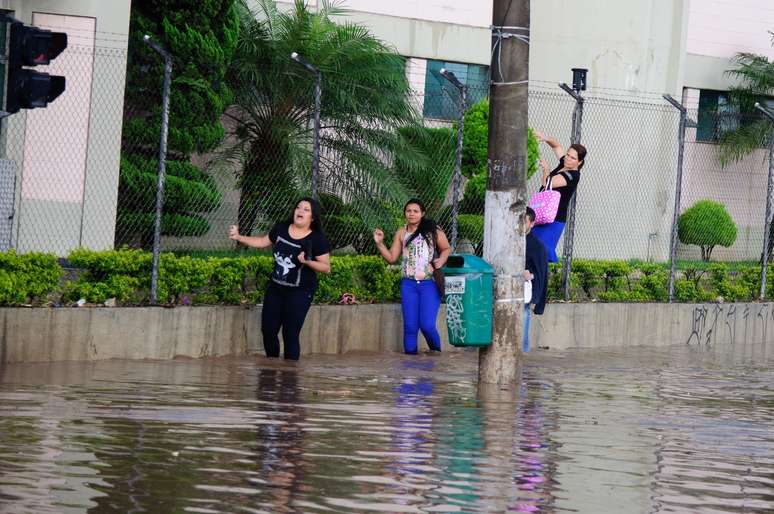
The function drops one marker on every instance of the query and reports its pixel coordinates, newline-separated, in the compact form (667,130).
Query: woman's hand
(437,263)
(539,136)
(544,166)
(233,232)
(302,258)
(378,236)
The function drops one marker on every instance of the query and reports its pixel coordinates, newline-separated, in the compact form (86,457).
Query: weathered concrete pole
(506,189)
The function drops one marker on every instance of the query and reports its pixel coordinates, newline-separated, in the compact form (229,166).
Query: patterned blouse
(417,258)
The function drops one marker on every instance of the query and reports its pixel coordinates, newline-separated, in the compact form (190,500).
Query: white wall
(635,46)
(626,45)
(719,29)
(476,13)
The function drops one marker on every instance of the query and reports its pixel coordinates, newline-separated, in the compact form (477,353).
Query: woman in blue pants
(423,248)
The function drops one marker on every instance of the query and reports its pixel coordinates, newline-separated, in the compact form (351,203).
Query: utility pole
(506,189)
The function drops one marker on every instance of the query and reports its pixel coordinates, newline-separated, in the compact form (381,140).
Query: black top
(572,177)
(537,264)
(288,271)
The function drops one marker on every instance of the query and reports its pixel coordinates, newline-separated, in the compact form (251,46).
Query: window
(441,98)
(717,115)
(714,115)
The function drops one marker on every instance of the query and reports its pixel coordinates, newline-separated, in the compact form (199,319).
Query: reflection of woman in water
(281,439)
(300,252)
(413,438)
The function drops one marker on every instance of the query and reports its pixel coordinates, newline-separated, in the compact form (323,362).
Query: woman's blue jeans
(420,301)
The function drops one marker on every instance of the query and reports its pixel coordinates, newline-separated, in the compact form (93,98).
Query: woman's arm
(390,255)
(321,264)
(552,142)
(255,242)
(558,180)
(444,249)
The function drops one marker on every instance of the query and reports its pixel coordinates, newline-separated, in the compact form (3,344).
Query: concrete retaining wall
(44,335)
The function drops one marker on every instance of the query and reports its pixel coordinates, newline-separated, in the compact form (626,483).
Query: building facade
(60,164)
(635,52)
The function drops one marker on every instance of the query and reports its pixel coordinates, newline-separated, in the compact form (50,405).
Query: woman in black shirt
(564,180)
(300,252)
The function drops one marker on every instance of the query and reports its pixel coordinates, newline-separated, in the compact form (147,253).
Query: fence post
(317,107)
(678,192)
(162,166)
(461,106)
(767,224)
(569,229)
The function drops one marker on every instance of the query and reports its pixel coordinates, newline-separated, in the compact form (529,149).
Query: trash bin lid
(460,263)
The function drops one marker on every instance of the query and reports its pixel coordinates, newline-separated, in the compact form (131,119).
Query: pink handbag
(545,204)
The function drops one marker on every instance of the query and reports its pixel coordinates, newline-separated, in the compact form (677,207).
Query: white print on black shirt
(286,272)
(286,263)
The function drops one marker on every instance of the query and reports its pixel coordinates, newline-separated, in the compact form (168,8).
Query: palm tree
(752,131)
(365,99)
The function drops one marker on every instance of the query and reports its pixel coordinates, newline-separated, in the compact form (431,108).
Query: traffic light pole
(28,47)
(162,166)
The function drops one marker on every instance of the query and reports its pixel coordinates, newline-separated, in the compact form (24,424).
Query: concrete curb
(85,334)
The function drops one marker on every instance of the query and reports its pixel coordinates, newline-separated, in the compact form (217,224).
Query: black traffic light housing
(32,46)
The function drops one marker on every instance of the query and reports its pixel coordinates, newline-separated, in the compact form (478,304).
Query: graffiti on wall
(454,311)
(729,324)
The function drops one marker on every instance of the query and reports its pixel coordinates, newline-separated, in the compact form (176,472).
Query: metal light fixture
(579,79)
(461,104)
(317,107)
(451,77)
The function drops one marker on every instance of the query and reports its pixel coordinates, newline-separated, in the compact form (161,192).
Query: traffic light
(32,46)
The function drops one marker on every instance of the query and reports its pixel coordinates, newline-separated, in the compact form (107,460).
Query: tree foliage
(201,36)
(751,131)
(475,152)
(365,100)
(706,224)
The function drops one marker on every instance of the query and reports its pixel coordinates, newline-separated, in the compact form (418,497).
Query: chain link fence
(59,181)
(82,173)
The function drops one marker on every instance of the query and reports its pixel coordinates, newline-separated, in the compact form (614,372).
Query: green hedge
(620,281)
(124,275)
(183,280)
(29,278)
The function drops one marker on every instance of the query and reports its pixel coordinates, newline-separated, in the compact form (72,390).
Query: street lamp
(161,177)
(463,90)
(317,106)
(579,79)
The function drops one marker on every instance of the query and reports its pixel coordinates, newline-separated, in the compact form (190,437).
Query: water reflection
(685,429)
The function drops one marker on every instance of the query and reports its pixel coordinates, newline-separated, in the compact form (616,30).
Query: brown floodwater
(679,429)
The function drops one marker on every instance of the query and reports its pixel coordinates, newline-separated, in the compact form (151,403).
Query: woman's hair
(581,151)
(426,227)
(316,213)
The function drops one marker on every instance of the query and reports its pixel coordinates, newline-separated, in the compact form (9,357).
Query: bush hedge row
(124,275)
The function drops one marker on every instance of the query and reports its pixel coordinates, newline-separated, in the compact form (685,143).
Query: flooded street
(681,429)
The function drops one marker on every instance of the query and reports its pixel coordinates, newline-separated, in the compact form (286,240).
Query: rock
(110,302)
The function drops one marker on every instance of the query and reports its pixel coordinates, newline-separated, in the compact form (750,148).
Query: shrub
(28,278)
(706,224)
(183,280)
(125,275)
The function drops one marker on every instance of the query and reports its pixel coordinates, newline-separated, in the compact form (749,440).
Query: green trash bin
(468,300)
